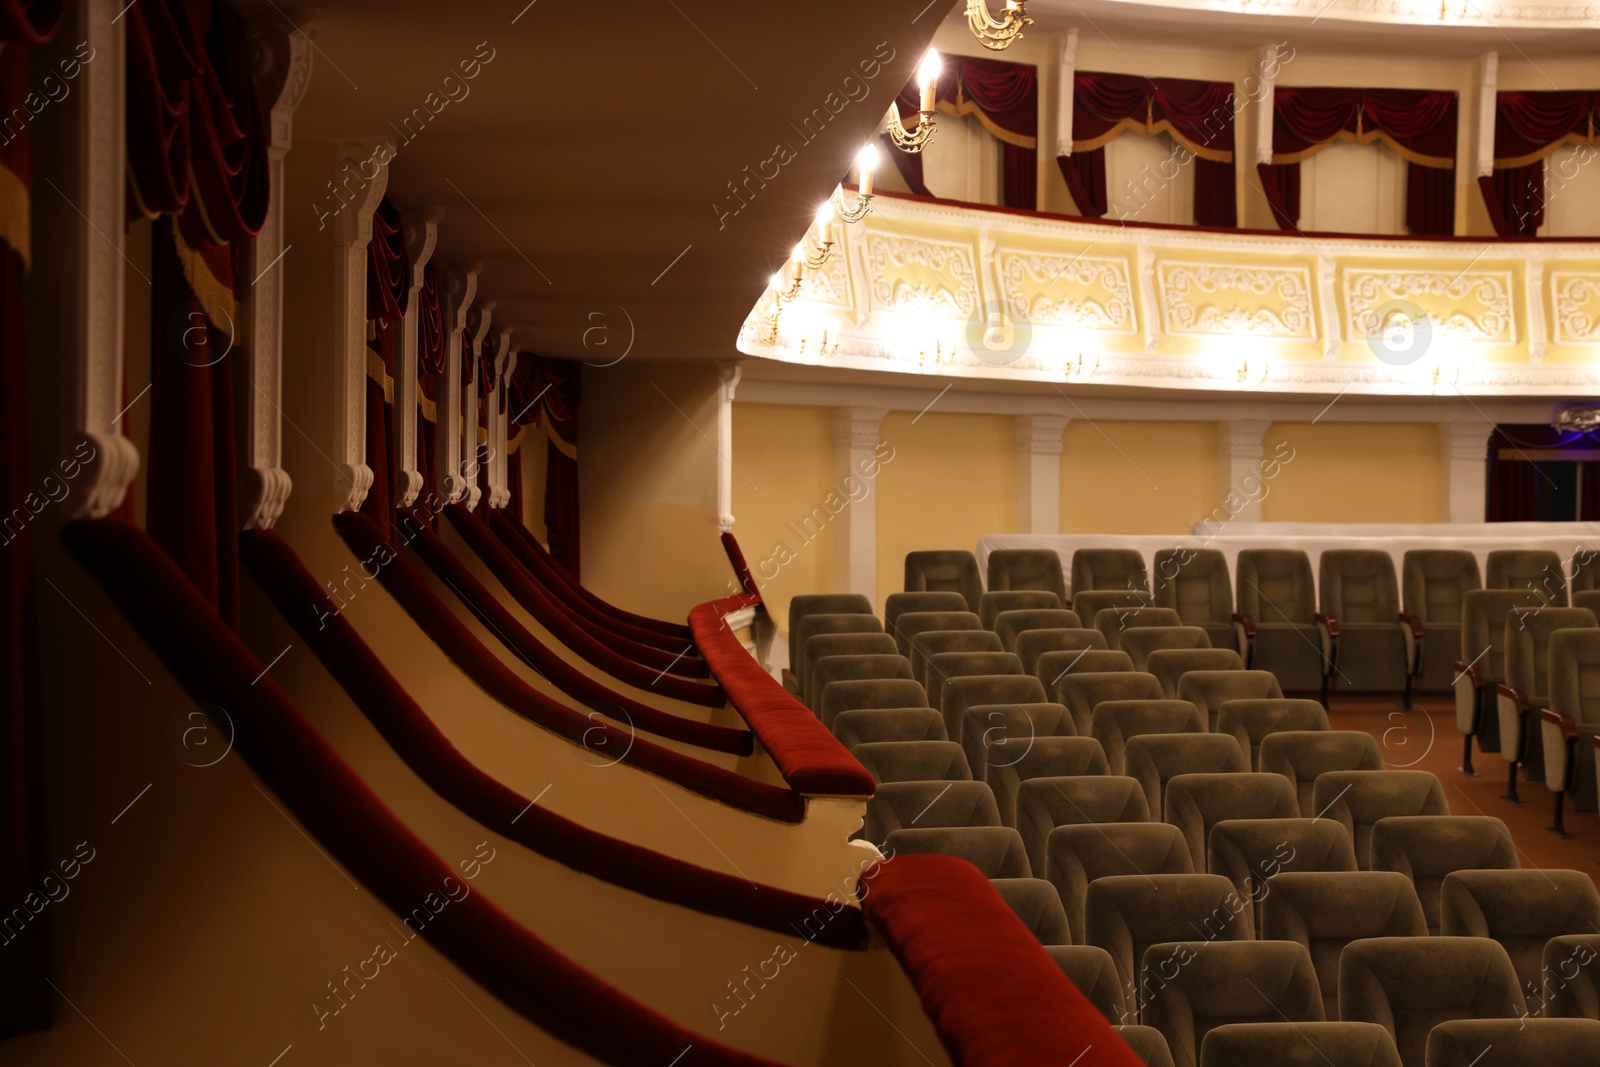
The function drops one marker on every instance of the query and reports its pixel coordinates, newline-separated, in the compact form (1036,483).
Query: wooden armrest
(1515,696)
(1247,622)
(1414,622)
(1329,623)
(1474,673)
(1569,727)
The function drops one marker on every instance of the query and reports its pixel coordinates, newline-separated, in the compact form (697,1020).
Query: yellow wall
(1137,477)
(1356,472)
(534,452)
(784,457)
(953,479)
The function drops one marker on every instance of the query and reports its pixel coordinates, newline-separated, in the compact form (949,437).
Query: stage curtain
(547,393)
(1005,97)
(388,287)
(1528,127)
(1198,115)
(1514,482)
(25,999)
(1418,125)
(514,481)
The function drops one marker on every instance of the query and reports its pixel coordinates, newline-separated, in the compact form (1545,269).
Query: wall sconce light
(866,163)
(1261,368)
(928,78)
(997,34)
(827,344)
(817,259)
(1079,367)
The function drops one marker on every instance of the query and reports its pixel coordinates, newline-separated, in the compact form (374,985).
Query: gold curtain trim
(1150,129)
(960,108)
(1549,150)
(216,298)
(428,408)
(567,449)
(516,442)
(380,374)
(1366,137)
(14,228)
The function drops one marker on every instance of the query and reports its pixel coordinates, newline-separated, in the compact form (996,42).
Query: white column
(283,71)
(1039,473)
(499,421)
(727,381)
(1487,68)
(458,289)
(855,539)
(1464,447)
(1267,67)
(421,230)
(478,320)
(1239,443)
(368,163)
(1068,75)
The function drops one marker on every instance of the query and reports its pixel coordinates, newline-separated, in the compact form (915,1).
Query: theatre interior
(520,520)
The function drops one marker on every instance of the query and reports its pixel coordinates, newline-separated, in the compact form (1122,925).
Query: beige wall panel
(1137,477)
(1355,472)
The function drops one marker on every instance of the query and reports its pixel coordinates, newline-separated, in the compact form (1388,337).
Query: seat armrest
(1328,630)
(1515,696)
(1473,673)
(1567,725)
(1413,621)
(1411,631)
(1244,628)
(1328,623)
(1246,622)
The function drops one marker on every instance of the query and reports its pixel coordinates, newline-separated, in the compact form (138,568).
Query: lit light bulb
(776,281)
(799,253)
(866,163)
(928,78)
(825,223)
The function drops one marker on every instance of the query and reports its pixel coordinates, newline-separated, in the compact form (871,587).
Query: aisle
(1426,739)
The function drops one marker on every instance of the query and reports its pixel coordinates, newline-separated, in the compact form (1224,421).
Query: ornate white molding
(1488,71)
(1267,67)
(1190,308)
(858,428)
(1027,280)
(1366,291)
(421,234)
(499,418)
(1576,296)
(1498,15)
(949,284)
(1041,435)
(728,374)
(479,319)
(352,232)
(97,192)
(457,290)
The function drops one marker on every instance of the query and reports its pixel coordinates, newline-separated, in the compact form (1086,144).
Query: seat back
(1484,614)
(898,604)
(1078,854)
(1302,1044)
(1169,665)
(1196,802)
(1522,910)
(1114,622)
(1302,756)
(1358,799)
(1089,967)
(1108,569)
(1537,570)
(1026,568)
(1211,689)
(1080,691)
(1140,642)
(914,761)
(930,643)
(1155,759)
(995,850)
(945,571)
(911,623)
(994,601)
(815,625)
(1127,913)
(1035,902)
(1514,1043)
(1434,583)
(1572,976)
(871,725)
(1427,848)
(1252,720)
(897,805)
(822,646)
(1194,582)
(1275,586)
(1046,803)
(1527,645)
(1011,625)
(880,667)
(1227,982)
(962,692)
(1091,603)
(1006,732)
(1031,644)
(1588,598)
(1358,585)
(1009,766)
(943,666)
(821,604)
(1113,722)
(1249,852)
(1574,674)
(852,694)
(1052,667)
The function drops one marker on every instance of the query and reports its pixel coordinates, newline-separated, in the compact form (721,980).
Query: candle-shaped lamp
(866,163)
(825,224)
(928,78)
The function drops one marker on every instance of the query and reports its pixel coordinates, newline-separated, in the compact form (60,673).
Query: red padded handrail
(994,996)
(429,753)
(336,807)
(812,760)
(741,568)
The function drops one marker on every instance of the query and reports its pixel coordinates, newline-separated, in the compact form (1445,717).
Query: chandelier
(866,162)
(997,35)
(928,79)
(1583,418)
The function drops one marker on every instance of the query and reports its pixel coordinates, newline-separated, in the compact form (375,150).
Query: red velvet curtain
(1418,124)
(1515,479)
(1528,127)
(388,286)
(1005,97)
(25,999)
(1197,114)
(549,391)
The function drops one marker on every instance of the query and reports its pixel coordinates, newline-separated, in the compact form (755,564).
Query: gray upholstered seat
(1092,602)
(1169,665)
(1409,985)
(993,602)
(1046,803)
(1226,982)
(871,725)
(1114,622)
(1146,1043)
(1571,719)
(947,571)
(1522,910)
(816,624)
(1114,721)
(1587,598)
(1046,757)
(1031,644)
(1211,689)
(1194,582)
(898,604)
(1155,759)
(1276,596)
(821,604)
(1302,756)
(931,643)
(1572,976)
(1011,624)
(1427,848)
(1194,803)
(943,667)
(1052,667)
(881,666)
(1583,571)
(1249,852)
(1141,641)
(1005,732)
(1249,721)
(1434,583)
(1082,691)
(897,805)
(912,623)
(1538,570)
(1514,1043)
(1526,688)
(1077,855)
(1375,650)
(1299,1045)
(823,645)
(1326,910)
(854,694)
(963,691)
(995,850)
(1358,799)
(1035,902)
(1115,569)
(1089,967)
(1127,913)
(1026,568)
(914,761)
(1482,666)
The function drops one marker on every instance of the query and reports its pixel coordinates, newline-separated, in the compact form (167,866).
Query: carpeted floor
(1426,739)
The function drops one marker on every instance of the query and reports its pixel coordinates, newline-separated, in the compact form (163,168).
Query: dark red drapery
(1198,115)
(1528,127)
(1515,477)
(1005,97)
(548,392)
(1418,124)
(388,287)
(432,337)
